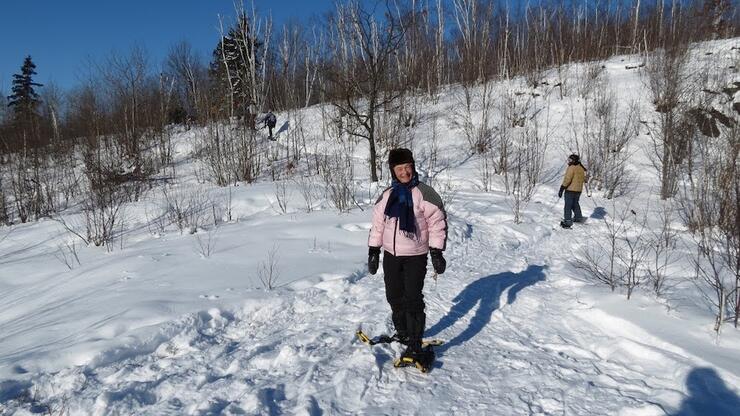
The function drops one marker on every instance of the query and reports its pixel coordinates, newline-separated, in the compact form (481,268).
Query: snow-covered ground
(157,327)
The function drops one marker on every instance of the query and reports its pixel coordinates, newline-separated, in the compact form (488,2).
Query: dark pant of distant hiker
(572,207)
(270,122)
(404,281)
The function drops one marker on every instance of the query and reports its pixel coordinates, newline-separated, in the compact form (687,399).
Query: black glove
(373,259)
(560,192)
(438,262)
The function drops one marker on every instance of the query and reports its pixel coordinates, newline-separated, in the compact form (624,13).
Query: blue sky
(60,35)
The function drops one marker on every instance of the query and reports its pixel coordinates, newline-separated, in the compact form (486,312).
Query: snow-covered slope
(156,327)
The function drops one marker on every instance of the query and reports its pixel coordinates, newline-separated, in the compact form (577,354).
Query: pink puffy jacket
(431,224)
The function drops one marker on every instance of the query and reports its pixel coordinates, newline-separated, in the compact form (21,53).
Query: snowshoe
(388,339)
(566,225)
(422,359)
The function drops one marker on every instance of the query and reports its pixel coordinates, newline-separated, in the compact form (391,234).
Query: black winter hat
(574,158)
(400,156)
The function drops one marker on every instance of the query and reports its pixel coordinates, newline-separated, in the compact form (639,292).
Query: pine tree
(234,68)
(24,100)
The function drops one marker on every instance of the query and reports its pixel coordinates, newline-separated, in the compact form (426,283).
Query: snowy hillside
(177,323)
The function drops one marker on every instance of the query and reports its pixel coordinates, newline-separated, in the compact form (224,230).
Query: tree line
(357,50)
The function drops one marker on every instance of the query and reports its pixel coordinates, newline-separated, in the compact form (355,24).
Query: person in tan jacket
(575,177)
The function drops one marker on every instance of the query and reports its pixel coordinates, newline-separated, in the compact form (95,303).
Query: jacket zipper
(395,232)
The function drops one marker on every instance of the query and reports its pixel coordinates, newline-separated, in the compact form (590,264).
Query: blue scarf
(401,205)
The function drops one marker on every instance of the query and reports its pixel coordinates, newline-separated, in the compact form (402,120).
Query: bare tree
(307,187)
(268,271)
(187,209)
(473,114)
(710,210)
(486,170)
(337,174)
(421,59)
(296,67)
(22,186)
(527,166)
(5,217)
(716,18)
(311,65)
(440,58)
(474,42)
(669,86)
(282,195)
(662,251)
(632,253)
(613,258)
(607,134)
(229,153)
(257,74)
(206,244)
(190,75)
(53,103)
(67,254)
(515,109)
(4,117)
(126,80)
(428,162)
(361,48)
(102,212)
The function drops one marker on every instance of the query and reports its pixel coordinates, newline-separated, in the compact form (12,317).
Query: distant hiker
(575,177)
(270,120)
(409,221)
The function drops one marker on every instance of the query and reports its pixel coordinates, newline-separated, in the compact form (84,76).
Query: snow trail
(517,344)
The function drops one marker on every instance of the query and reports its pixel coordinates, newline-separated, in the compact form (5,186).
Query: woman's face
(404,172)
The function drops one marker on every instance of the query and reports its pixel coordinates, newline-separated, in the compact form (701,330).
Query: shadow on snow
(708,395)
(599,213)
(486,293)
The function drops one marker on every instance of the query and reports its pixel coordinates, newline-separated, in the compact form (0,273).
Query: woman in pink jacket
(409,221)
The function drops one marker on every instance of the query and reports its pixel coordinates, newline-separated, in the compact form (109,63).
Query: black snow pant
(404,281)
(572,206)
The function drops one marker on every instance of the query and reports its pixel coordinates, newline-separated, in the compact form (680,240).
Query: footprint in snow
(209,297)
(365,226)
(126,276)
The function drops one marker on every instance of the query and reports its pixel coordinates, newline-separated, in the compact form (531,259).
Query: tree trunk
(721,314)
(371,139)
(737,300)
(636,26)
(373,161)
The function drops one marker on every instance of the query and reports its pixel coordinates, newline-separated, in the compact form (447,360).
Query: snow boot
(413,349)
(415,355)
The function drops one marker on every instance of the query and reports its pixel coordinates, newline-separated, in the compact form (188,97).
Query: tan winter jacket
(575,177)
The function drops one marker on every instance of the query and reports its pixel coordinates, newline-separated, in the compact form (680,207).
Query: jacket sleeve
(436,218)
(378,224)
(568,176)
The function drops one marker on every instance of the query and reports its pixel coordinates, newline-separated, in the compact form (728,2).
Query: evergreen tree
(234,68)
(24,100)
